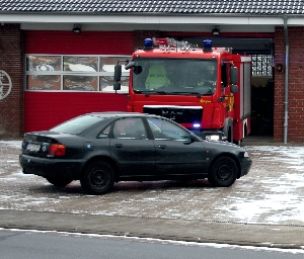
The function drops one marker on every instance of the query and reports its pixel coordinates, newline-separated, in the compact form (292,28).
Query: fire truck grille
(180,114)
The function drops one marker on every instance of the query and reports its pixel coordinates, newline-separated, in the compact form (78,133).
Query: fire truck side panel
(243,101)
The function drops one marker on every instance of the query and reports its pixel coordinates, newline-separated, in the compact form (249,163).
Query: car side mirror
(188,140)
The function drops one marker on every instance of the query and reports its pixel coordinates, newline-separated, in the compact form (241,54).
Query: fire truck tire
(223,172)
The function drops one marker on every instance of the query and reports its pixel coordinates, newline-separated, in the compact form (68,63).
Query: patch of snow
(11,143)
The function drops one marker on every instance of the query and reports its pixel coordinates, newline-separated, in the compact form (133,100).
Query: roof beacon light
(148,43)
(165,44)
(161,41)
(207,45)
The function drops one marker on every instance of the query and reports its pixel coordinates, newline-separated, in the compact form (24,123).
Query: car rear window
(77,125)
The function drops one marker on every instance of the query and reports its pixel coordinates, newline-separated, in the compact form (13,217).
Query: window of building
(262,65)
(73,73)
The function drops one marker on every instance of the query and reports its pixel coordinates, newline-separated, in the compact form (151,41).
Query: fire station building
(57,57)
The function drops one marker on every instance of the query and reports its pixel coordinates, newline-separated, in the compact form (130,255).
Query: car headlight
(213,137)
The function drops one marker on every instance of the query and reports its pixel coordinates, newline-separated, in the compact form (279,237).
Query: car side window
(129,128)
(165,130)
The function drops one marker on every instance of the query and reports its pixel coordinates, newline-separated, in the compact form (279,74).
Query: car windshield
(175,76)
(77,125)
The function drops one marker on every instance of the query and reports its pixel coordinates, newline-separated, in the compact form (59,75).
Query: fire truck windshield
(174,76)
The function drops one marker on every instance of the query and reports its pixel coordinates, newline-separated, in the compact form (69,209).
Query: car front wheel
(223,172)
(98,178)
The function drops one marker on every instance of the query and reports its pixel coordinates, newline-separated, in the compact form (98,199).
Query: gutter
(286,41)
(140,19)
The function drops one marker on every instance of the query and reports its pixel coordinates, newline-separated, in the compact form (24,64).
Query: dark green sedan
(100,149)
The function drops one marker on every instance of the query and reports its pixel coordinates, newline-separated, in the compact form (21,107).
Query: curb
(272,236)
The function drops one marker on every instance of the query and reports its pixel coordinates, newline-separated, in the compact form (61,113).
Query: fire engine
(206,89)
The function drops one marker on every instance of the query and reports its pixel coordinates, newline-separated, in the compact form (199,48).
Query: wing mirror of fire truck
(129,65)
(117,77)
(136,69)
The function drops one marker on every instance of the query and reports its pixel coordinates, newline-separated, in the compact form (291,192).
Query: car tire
(223,172)
(59,181)
(98,178)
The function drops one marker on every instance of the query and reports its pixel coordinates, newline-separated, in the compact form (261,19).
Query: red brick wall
(11,108)
(295,89)
(278,86)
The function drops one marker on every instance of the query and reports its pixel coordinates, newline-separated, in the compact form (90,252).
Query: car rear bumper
(46,167)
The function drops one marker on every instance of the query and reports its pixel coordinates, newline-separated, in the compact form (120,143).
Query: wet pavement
(264,207)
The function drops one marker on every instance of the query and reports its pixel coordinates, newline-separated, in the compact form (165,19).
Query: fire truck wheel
(98,178)
(223,172)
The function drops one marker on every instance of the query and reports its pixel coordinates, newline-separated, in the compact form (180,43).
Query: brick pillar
(278,114)
(11,107)
(295,86)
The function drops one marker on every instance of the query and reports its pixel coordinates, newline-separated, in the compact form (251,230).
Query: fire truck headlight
(214,137)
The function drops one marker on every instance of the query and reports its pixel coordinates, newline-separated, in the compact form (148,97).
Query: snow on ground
(10,143)
(279,188)
(272,193)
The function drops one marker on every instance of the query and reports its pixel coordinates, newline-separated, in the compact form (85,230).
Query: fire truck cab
(205,89)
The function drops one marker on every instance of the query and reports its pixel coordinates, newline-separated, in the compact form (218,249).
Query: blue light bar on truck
(148,43)
(196,125)
(207,45)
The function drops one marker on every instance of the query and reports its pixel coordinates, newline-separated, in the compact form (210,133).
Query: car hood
(224,146)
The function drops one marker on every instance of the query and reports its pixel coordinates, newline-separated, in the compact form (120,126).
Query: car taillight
(56,150)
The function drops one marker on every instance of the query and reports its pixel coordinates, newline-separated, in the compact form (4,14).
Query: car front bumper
(47,167)
(245,163)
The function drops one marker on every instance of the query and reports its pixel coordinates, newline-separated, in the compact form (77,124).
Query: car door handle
(118,145)
(162,146)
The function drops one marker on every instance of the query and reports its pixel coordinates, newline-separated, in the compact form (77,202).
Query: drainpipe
(286,80)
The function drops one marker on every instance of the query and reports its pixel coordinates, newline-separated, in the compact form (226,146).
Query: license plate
(33,147)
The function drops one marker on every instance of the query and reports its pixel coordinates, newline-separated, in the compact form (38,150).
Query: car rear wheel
(223,172)
(98,178)
(59,181)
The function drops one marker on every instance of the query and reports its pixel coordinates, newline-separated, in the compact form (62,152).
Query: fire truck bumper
(211,135)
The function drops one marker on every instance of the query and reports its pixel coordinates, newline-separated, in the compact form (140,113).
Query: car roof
(111,114)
